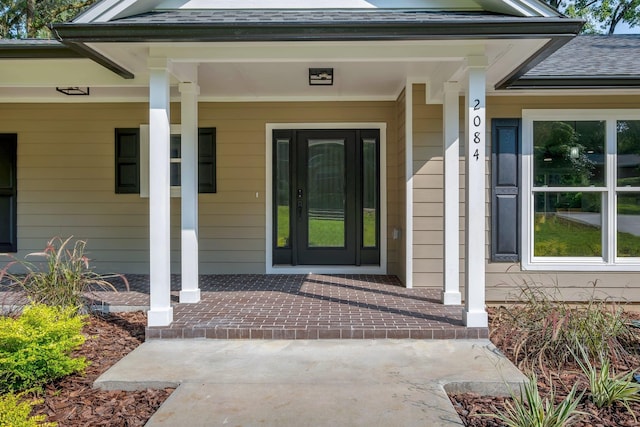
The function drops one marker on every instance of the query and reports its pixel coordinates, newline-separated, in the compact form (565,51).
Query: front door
(326,194)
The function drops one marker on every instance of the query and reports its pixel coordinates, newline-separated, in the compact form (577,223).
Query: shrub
(36,347)
(530,410)
(62,278)
(606,387)
(15,412)
(547,330)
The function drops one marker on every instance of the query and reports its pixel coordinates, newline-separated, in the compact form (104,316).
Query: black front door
(326,197)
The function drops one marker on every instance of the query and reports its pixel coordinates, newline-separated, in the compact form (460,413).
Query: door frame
(324,269)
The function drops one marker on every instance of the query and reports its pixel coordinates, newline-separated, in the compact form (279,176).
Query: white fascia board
(525,8)
(108,10)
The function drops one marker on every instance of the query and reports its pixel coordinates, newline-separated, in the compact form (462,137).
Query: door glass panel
(369,193)
(326,192)
(628,221)
(283,228)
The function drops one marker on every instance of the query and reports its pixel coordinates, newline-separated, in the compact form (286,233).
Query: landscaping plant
(608,387)
(529,409)
(37,346)
(62,279)
(548,330)
(15,412)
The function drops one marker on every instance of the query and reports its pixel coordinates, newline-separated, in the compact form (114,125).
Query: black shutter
(505,197)
(206,160)
(128,161)
(8,193)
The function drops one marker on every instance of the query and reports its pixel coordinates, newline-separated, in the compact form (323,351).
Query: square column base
(475,319)
(190,297)
(451,298)
(160,316)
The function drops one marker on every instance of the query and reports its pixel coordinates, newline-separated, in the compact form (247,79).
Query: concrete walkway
(312,382)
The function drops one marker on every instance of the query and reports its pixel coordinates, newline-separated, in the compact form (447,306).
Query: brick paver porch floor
(309,306)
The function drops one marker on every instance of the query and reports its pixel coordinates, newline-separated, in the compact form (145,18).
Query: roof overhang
(79,37)
(576,82)
(109,10)
(35,49)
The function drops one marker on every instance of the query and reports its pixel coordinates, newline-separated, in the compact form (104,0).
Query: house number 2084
(477,121)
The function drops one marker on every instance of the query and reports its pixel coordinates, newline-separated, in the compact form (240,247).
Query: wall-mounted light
(320,76)
(74,90)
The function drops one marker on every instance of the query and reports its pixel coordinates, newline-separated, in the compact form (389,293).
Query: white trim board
(269,267)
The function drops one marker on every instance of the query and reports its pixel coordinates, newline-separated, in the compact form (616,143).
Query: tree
(29,18)
(601,16)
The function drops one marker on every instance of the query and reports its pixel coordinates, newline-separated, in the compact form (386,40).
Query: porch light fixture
(320,76)
(74,90)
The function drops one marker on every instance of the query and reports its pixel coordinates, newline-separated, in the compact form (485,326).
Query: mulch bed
(471,406)
(72,401)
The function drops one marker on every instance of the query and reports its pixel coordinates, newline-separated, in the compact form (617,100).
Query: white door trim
(324,269)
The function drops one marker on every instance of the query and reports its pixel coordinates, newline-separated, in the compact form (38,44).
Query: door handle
(299,203)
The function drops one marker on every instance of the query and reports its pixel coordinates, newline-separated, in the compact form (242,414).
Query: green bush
(36,347)
(62,278)
(15,412)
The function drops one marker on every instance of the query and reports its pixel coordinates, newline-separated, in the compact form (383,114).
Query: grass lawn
(325,232)
(561,237)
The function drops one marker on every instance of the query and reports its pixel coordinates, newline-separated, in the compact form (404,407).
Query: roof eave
(577,82)
(76,36)
(305,31)
(26,51)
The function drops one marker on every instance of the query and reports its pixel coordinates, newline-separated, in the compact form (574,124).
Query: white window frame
(176,191)
(609,261)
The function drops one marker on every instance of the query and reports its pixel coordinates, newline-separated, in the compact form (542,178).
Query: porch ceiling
(268,71)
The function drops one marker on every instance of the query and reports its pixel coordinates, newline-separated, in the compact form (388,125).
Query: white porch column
(451,125)
(474,313)
(190,292)
(160,312)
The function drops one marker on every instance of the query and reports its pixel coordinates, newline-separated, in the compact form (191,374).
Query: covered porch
(300,306)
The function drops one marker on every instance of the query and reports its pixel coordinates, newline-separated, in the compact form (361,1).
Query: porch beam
(451,125)
(474,313)
(160,312)
(190,292)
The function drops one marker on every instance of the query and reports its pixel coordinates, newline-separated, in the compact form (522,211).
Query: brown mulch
(472,407)
(72,401)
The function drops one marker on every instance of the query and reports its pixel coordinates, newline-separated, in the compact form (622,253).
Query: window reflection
(283,226)
(369,193)
(569,153)
(568,224)
(628,153)
(628,224)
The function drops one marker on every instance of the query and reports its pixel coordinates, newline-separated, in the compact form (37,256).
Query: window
(8,193)
(132,160)
(581,181)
